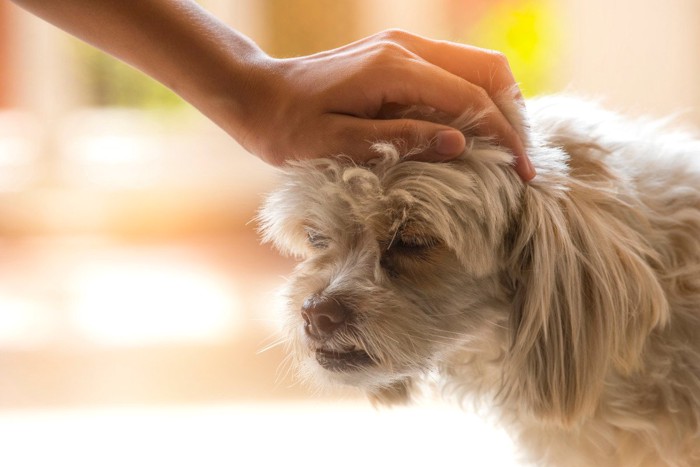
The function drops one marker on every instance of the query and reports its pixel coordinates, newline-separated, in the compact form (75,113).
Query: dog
(570,303)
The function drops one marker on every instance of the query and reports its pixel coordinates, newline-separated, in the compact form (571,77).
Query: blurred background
(136,305)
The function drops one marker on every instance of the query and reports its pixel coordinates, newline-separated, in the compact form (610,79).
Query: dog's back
(648,178)
(572,302)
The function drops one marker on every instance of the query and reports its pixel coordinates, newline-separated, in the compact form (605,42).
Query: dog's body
(572,303)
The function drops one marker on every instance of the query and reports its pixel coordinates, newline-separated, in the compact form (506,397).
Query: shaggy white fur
(572,303)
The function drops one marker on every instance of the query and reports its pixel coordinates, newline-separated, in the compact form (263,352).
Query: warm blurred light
(22,323)
(116,149)
(113,161)
(144,303)
(19,150)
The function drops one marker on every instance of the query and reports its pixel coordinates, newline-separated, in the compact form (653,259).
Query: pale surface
(251,435)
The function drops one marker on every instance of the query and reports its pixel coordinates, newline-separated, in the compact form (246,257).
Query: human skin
(333,102)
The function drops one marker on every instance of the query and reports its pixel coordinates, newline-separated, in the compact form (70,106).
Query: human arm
(313,106)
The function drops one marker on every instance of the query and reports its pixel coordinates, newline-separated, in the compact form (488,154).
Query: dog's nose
(323,316)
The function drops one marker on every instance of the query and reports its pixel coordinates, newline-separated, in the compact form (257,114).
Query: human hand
(330,102)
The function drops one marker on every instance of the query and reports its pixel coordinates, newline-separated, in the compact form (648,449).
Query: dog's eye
(412,245)
(316,240)
(405,251)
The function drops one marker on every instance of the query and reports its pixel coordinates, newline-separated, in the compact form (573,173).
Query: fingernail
(531,172)
(450,142)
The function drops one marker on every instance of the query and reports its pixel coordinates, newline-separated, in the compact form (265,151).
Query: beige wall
(6,82)
(638,55)
(40,68)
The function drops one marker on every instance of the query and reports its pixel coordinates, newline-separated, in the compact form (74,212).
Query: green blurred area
(107,82)
(525,30)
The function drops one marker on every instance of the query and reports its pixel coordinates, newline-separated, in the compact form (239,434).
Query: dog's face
(399,264)
(407,267)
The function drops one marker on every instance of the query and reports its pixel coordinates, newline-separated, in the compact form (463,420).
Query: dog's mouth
(333,360)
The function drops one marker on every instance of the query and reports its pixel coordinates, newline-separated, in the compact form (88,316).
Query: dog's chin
(352,368)
(343,361)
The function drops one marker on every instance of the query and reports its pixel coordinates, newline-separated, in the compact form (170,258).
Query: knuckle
(394,35)
(499,60)
(349,140)
(387,50)
(407,128)
(388,58)
(408,137)
(481,95)
(391,48)
(500,70)
(344,134)
(500,130)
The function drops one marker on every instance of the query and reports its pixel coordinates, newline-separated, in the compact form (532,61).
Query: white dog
(572,303)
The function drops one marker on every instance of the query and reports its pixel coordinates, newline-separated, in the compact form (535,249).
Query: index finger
(453,97)
(488,69)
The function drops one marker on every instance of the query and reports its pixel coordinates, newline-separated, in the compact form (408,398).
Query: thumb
(447,144)
(436,142)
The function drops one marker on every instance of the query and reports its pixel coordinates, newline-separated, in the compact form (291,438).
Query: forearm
(316,106)
(174,41)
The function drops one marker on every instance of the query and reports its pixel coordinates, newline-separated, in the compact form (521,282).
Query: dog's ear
(586,298)
(399,393)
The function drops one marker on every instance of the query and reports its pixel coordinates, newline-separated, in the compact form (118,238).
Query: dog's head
(405,264)
(397,260)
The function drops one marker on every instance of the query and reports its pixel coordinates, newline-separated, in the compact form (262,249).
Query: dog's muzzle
(324,317)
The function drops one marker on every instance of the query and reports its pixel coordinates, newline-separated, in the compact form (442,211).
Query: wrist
(235,89)
(257,109)
(214,71)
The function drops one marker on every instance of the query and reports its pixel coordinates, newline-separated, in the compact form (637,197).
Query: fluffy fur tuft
(572,303)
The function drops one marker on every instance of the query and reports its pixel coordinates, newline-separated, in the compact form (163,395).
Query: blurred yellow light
(527,31)
(143,304)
